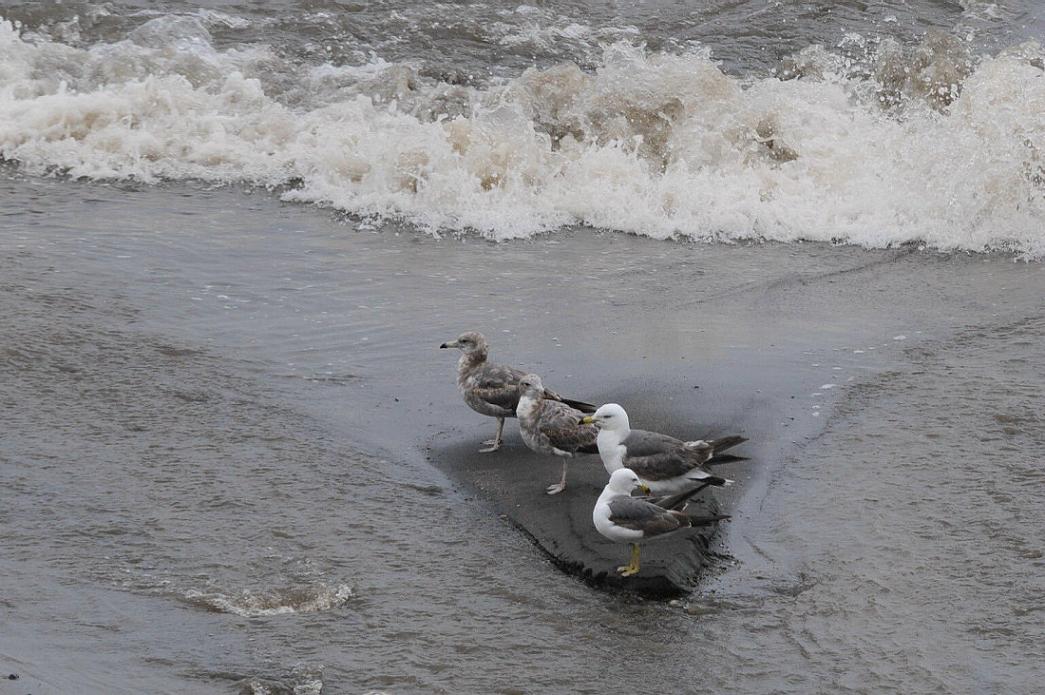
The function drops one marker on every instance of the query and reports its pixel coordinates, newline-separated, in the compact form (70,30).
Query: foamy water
(282,601)
(923,144)
(872,143)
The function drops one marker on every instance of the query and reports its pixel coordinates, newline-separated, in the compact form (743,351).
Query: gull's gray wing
(498,384)
(640,515)
(645,443)
(655,456)
(561,425)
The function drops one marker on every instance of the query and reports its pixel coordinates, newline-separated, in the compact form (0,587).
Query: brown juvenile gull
(626,519)
(552,427)
(492,389)
(665,464)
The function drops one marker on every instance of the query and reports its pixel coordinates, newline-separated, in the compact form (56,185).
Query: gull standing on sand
(626,519)
(665,464)
(552,427)
(492,389)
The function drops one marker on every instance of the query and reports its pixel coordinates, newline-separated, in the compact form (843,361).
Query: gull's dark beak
(449,344)
(587,420)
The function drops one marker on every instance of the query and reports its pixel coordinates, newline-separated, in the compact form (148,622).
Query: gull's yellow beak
(645,488)
(587,420)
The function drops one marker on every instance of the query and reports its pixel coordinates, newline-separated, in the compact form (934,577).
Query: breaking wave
(871,143)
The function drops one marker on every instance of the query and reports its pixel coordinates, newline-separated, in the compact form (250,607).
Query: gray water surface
(473,41)
(214,467)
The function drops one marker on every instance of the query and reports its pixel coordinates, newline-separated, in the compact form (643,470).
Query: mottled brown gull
(551,427)
(492,389)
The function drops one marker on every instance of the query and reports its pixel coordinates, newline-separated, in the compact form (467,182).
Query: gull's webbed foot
(633,565)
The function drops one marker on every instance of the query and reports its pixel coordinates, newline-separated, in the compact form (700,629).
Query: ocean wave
(922,144)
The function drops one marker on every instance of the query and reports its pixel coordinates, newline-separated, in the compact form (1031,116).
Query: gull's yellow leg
(633,566)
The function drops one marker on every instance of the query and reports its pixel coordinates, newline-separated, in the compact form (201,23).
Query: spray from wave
(281,601)
(921,144)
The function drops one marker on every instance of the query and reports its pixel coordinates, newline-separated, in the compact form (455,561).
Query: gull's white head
(623,481)
(531,385)
(610,417)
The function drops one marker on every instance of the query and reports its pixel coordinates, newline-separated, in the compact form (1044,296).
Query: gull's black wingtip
(720,459)
(580,405)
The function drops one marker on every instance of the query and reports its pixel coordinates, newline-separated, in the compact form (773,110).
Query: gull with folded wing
(492,389)
(626,519)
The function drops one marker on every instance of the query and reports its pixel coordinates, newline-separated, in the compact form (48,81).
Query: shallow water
(205,458)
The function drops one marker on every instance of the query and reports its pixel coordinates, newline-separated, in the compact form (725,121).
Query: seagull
(552,427)
(492,389)
(665,464)
(626,519)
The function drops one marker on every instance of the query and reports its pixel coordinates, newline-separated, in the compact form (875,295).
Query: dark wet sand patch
(512,482)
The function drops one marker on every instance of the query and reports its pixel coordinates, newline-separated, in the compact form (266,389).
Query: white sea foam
(300,681)
(251,604)
(930,147)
